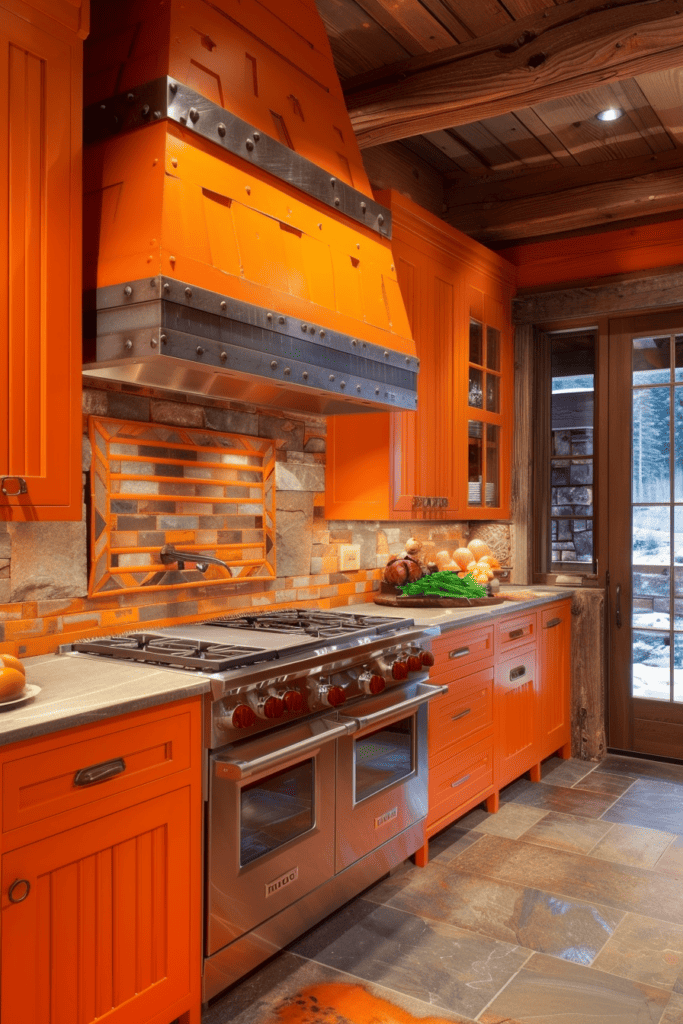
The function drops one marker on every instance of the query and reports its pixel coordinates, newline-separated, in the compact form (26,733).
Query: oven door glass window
(383,758)
(276,809)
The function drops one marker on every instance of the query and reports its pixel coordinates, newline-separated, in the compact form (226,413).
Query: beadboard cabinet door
(40,272)
(554,636)
(101,930)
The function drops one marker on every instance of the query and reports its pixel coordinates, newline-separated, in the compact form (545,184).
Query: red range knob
(334,696)
(272,707)
(241,717)
(399,670)
(414,663)
(293,700)
(427,659)
(376,684)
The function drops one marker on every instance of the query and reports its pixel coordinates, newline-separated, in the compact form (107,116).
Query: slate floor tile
(671,861)
(262,997)
(674,1011)
(558,772)
(511,820)
(616,764)
(507,912)
(644,950)
(550,991)
(445,967)
(567,832)
(621,886)
(449,844)
(608,785)
(627,844)
(557,798)
(650,803)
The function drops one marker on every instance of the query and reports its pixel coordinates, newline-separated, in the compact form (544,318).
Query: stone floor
(566,907)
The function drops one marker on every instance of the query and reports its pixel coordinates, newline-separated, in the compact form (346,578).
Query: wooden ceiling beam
(567,199)
(557,52)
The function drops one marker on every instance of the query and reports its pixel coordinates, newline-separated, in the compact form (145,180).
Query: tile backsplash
(44,566)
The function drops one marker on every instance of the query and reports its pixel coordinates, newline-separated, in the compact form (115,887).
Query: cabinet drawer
(455,651)
(45,783)
(462,712)
(515,632)
(456,776)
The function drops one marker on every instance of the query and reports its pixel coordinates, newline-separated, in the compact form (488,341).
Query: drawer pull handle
(14,886)
(459,782)
(459,653)
(552,622)
(515,633)
(99,772)
(461,715)
(19,486)
(517,673)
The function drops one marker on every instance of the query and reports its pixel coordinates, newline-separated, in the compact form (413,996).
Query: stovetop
(218,645)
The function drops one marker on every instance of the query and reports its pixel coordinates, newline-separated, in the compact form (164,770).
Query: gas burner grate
(173,651)
(309,622)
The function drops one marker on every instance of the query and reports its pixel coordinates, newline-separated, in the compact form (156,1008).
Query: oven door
(270,825)
(382,771)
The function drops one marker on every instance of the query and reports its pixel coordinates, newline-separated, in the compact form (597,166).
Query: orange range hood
(232,245)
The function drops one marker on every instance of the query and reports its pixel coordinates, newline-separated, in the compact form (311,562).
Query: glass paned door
(646,534)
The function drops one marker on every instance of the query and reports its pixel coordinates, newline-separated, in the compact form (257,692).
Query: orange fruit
(463,556)
(490,560)
(11,683)
(442,558)
(9,661)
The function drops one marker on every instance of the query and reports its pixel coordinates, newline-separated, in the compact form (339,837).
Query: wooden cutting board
(417,601)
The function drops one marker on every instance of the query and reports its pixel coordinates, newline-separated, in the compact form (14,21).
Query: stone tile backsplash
(43,566)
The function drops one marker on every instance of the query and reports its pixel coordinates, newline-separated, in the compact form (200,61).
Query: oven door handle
(234,768)
(423,693)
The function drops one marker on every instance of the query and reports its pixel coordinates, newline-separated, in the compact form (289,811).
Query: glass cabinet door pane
(383,758)
(476,343)
(492,466)
(651,464)
(275,810)
(476,390)
(475,462)
(678,357)
(492,348)
(492,393)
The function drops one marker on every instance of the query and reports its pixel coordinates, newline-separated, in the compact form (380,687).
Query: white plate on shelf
(27,694)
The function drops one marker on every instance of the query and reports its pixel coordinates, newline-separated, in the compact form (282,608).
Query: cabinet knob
(19,486)
(16,887)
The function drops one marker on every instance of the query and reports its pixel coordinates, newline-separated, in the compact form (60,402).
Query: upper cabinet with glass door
(488,373)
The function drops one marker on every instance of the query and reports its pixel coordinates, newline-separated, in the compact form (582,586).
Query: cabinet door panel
(39,266)
(102,930)
(517,713)
(555,640)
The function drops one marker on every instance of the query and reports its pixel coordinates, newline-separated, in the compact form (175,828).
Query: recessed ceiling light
(611,114)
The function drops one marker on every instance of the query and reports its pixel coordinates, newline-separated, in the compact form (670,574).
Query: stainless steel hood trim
(225,352)
(166,98)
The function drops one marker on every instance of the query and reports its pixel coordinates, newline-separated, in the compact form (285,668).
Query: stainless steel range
(316,765)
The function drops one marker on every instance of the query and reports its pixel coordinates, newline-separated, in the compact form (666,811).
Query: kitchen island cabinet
(41,43)
(101,869)
(450,458)
(507,708)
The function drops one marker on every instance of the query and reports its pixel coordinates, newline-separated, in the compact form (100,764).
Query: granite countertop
(453,618)
(79,690)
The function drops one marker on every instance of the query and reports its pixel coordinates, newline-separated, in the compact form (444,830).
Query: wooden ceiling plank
(630,97)
(493,153)
(573,120)
(459,154)
(442,11)
(357,40)
(393,166)
(480,16)
(426,150)
(546,136)
(523,8)
(516,137)
(664,91)
(558,52)
(410,24)
(639,191)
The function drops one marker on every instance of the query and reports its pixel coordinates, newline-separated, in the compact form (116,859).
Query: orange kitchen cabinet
(101,885)
(517,705)
(554,638)
(40,259)
(436,463)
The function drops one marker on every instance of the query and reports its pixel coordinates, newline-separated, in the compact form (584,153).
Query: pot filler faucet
(170,555)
